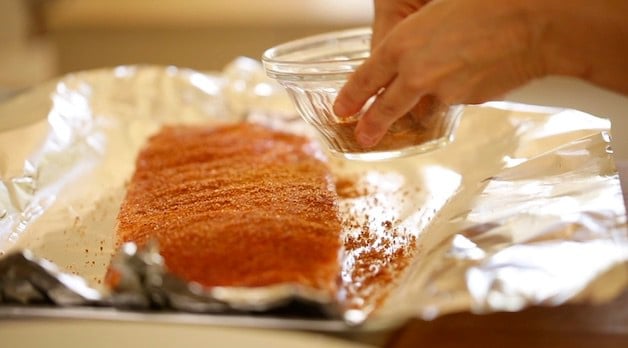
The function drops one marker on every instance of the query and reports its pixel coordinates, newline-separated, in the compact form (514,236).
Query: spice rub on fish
(239,205)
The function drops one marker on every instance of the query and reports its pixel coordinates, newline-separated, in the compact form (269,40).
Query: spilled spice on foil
(375,254)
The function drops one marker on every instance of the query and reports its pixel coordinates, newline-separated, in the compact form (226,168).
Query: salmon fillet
(239,205)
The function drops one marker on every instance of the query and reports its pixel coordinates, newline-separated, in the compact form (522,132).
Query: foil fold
(144,282)
(25,279)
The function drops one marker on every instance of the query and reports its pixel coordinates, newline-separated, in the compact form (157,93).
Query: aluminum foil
(527,211)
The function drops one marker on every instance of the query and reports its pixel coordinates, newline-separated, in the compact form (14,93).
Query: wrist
(584,39)
(560,39)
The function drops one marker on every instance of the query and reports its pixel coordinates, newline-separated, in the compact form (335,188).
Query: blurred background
(41,39)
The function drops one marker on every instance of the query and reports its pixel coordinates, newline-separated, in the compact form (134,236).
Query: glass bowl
(314,69)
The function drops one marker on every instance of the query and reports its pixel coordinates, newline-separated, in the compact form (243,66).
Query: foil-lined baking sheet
(523,208)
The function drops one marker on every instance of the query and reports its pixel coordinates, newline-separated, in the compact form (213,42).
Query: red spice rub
(238,205)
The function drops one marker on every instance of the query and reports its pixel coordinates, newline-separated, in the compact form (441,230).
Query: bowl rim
(276,66)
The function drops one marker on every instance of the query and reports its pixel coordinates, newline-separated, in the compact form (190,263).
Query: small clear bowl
(314,69)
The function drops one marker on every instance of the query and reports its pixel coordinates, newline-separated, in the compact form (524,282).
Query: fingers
(383,20)
(382,26)
(388,107)
(388,13)
(374,74)
(380,69)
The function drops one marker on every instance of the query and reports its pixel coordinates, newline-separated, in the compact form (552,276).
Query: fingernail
(340,108)
(366,140)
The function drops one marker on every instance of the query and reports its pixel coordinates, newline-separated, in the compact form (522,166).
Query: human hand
(460,51)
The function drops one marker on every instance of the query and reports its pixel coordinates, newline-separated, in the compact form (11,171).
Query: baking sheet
(527,211)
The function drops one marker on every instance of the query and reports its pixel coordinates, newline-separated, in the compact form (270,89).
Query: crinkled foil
(523,208)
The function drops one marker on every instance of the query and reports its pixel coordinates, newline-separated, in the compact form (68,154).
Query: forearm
(586,39)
